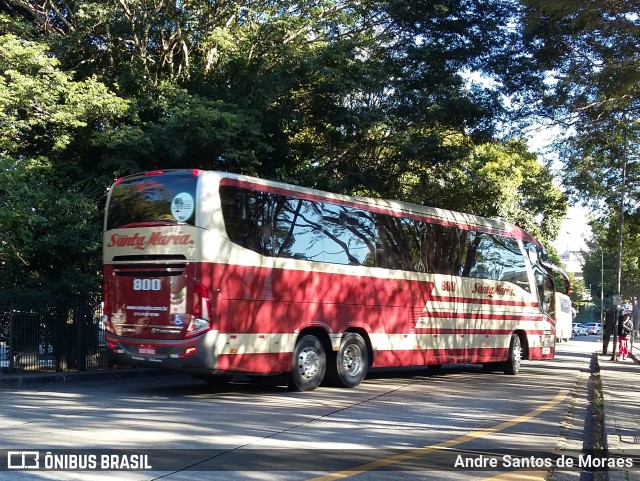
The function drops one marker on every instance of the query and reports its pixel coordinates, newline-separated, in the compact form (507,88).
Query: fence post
(10,346)
(81,358)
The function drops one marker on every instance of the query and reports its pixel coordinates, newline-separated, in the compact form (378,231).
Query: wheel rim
(352,360)
(517,353)
(308,363)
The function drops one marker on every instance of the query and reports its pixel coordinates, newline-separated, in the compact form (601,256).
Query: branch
(62,17)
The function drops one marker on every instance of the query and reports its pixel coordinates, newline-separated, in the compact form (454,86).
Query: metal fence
(51,338)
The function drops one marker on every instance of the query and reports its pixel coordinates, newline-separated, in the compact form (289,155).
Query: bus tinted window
(393,244)
(297,229)
(499,258)
(349,236)
(282,226)
(163,198)
(545,288)
(248,218)
(443,248)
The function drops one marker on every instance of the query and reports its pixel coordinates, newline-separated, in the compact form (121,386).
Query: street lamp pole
(601,286)
(591,303)
(620,230)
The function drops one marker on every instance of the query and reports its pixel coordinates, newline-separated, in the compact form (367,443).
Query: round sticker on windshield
(182,206)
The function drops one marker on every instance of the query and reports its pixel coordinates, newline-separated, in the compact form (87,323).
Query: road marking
(521,475)
(415,453)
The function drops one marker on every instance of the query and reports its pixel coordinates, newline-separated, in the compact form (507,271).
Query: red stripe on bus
(272,362)
(441,330)
(481,316)
(475,300)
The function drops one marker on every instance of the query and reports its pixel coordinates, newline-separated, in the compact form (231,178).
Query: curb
(27,380)
(610,423)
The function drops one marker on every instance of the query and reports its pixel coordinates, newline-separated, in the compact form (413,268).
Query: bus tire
(512,366)
(309,364)
(352,360)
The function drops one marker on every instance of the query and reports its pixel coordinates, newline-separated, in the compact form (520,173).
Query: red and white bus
(220,274)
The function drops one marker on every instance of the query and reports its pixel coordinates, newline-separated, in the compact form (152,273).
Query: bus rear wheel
(352,360)
(309,364)
(512,366)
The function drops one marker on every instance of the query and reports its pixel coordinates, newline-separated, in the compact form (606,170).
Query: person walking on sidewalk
(625,326)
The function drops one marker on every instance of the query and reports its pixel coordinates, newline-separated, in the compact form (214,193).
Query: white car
(594,328)
(578,330)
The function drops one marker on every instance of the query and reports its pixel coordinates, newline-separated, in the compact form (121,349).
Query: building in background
(571,241)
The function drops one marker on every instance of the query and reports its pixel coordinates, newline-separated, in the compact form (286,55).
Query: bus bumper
(194,354)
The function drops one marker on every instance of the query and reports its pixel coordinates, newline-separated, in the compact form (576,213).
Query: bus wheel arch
(309,363)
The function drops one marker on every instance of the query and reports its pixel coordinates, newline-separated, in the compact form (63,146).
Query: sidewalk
(621,391)
(12,380)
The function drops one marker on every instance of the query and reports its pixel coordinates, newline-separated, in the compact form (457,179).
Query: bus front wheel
(309,364)
(512,365)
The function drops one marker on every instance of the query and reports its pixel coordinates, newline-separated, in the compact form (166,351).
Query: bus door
(564,317)
(547,302)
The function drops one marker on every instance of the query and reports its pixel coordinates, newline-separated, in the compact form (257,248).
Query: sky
(574,229)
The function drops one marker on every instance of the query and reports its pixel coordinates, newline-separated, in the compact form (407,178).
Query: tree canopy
(586,54)
(407,100)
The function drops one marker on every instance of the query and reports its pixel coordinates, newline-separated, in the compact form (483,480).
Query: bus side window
(298,232)
(546,291)
(494,257)
(248,218)
(392,249)
(348,235)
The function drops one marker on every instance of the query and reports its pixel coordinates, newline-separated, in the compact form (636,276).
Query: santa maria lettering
(490,291)
(141,242)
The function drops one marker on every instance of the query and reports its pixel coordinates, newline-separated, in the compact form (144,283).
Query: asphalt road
(407,424)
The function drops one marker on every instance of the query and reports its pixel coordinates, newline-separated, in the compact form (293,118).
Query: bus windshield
(167,198)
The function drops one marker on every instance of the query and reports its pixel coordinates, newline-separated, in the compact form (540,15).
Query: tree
(586,54)
(370,98)
(500,180)
(47,221)
(603,247)
(343,96)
